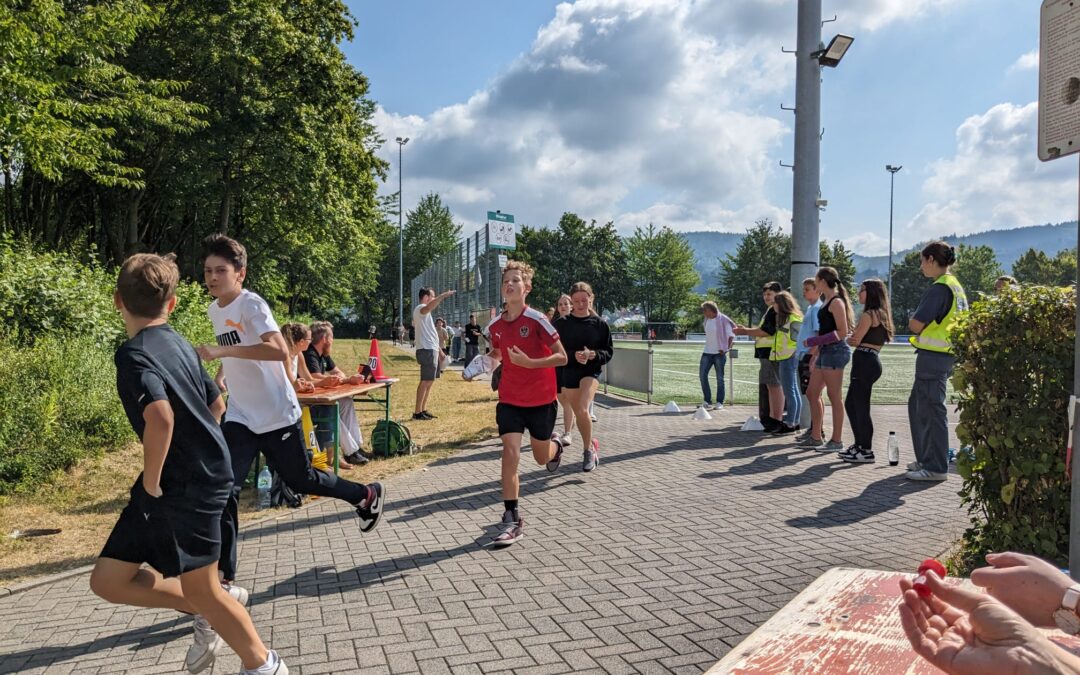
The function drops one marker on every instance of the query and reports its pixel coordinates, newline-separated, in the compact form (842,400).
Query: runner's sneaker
(592,457)
(913,466)
(510,530)
(833,446)
(856,455)
(592,416)
(203,652)
(811,442)
(567,437)
(273,666)
(553,465)
(370,510)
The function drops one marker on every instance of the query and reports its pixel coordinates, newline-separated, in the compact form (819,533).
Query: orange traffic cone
(375,362)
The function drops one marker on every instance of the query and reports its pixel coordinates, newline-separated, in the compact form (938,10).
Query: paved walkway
(689,536)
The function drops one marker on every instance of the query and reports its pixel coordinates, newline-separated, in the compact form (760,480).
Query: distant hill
(1009,245)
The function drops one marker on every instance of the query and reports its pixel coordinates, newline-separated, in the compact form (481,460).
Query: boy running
(263,414)
(173,520)
(528,346)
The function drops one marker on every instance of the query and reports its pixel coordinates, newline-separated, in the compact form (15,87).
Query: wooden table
(333,396)
(846,621)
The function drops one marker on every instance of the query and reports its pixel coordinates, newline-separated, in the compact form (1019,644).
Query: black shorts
(539,420)
(175,533)
(558,378)
(572,377)
(804,373)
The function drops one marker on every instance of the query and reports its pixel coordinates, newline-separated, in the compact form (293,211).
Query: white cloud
(869,243)
(631,110)
(1029,61)
(995,180)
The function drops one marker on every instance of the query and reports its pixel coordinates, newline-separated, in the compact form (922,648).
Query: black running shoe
(370,513)
(784,430)
(429,415)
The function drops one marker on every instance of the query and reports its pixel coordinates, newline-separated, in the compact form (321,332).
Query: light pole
(401,237)
(892,182)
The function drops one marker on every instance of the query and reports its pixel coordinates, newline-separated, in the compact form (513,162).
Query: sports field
(675,373)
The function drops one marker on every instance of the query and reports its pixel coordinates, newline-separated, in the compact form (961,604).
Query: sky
(668,111)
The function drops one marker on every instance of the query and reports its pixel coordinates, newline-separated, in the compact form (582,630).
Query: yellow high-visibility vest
(936,337)
(783,344)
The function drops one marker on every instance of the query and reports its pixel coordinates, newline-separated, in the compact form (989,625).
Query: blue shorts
(833,357)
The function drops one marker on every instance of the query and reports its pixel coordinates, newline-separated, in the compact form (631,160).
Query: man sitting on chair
(325,373)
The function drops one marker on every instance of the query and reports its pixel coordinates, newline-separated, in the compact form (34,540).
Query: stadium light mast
(401,236)
(892,182)
(810,56)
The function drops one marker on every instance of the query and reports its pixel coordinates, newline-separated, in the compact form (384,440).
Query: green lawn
(675,367)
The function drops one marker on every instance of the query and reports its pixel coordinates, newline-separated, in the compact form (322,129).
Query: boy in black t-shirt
(173,520)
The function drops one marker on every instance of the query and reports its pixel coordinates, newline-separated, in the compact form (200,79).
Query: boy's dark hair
(225,247)
(147,282)
(773,286)
(425,291)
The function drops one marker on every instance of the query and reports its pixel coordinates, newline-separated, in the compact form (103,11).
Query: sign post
(502,233)
(1059,135)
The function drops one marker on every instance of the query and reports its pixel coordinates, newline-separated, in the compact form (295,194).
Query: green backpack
(390,438)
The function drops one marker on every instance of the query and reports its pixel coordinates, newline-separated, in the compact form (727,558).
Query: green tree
(430,232)
(909,284)
(839,257)
(661,271)
(977,268)
(1035,267)
(763,255)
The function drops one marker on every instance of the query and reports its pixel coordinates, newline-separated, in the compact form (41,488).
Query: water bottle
(263,484)
(894,449)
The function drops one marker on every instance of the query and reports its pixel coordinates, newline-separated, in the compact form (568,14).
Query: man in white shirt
(263,414)
(719,336)
(428,348)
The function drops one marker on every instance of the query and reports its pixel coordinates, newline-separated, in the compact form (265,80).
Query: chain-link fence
(473,269)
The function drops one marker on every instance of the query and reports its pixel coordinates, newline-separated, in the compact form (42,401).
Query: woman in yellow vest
(785,342)
(771,409)
(932,325)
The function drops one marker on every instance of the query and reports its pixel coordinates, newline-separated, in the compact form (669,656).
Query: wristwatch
(1065,616)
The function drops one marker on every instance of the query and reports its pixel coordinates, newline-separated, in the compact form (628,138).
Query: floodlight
(831,55)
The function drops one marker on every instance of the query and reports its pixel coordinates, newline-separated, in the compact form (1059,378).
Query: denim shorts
(833,357)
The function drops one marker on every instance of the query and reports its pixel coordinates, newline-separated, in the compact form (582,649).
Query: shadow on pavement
(877,497)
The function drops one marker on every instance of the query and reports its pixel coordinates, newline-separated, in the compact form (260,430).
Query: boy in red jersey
(529,348)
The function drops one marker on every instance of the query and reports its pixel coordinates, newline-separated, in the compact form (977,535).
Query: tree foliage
(909,284)
(1035,267)
(977,268)
(661,269)
(1013,378)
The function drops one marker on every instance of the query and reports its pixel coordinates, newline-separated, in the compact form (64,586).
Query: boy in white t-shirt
(263,414)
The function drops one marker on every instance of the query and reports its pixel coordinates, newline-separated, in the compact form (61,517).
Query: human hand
(304,386)
(356,379)
(518,357)
(962,631)
(852,341)
(1030,586)
(583,356)
(208,352)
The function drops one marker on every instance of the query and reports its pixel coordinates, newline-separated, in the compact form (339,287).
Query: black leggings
(865,371)
(285,453)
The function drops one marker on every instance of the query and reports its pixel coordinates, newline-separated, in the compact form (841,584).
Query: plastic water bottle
(894,449)
(263,484)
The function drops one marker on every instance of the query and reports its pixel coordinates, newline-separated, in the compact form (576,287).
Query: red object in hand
(920,581)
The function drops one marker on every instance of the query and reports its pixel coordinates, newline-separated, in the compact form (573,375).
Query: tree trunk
(226,199)
(132,229)
(9,195)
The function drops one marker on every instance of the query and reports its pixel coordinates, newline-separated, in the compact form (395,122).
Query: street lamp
(892,181)
(401,237)
(830,56)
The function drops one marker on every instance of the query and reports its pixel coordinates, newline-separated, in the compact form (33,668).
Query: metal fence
(473,269)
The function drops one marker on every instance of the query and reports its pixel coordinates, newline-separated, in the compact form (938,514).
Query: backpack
(283,495)
(390,438)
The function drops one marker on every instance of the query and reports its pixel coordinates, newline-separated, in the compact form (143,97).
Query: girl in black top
(563,308)
(830,357)
(874,329)
(587,341)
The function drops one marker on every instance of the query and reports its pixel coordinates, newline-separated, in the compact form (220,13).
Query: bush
(58,333)
(1013,378)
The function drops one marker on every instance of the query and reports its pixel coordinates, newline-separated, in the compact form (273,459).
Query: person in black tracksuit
(587,340)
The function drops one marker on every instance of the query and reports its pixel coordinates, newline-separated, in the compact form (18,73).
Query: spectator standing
(788,322)
(719,336)
(768,370)
(835,319)
(455,342)
(412,335)
(472,339)
(428,348)
(872,332)
(371,331)
(324,372)
(808,329)
(932,325)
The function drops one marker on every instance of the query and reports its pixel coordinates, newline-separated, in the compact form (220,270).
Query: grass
(675,368)
(85,501)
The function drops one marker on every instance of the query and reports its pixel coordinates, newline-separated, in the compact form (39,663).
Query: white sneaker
(718,406)
(273,666)
(202,653)
(567,437)
(705,404)
(927,476)
(913,466)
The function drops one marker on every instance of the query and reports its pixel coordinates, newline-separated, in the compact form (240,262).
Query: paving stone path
(689,536)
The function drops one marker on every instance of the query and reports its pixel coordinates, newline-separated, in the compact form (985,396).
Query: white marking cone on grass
(671,407)
(702,414)
(752,424)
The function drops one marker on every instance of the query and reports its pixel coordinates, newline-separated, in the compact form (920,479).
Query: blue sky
(668,111)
